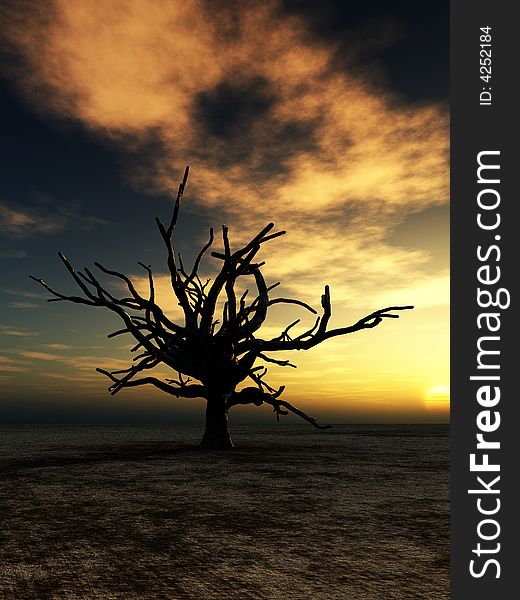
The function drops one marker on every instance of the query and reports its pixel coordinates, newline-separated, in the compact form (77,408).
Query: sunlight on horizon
(437,398)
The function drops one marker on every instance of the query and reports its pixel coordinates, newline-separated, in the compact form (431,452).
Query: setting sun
(437,398)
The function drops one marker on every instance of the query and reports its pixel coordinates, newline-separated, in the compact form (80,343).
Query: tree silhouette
(218,346)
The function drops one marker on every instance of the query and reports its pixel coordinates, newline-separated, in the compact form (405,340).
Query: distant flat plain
(138,512)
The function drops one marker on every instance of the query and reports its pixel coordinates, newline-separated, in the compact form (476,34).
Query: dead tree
(218,345)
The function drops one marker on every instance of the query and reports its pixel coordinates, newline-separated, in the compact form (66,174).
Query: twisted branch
(218,359)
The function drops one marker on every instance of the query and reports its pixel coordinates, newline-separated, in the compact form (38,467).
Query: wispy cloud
(12,253)
(17,331)
(6,359)
(18,223)
(9,365)
(59,346)
(38,355)
(23,222)
(80,363)
(23,305)
(27,301)
(18,292)
(84,379)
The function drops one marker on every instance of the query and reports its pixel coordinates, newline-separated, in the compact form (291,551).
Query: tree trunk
(216,436)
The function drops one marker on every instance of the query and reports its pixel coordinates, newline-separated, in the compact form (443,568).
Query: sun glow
(437,398)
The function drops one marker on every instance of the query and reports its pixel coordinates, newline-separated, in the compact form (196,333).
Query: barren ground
(140,513)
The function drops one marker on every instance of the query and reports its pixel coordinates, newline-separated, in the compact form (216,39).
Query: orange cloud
(136,70)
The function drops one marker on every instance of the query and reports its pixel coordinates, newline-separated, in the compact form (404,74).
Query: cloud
(247,96)
(23,305)
(17,331)
(18,223)
(12,253)
(18,292)
(73,378)
(59,346)
(10,368)
(9,365)
(80,363)
(53,217)
(38,355)
(6,359)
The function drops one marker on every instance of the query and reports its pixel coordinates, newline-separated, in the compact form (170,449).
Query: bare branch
(76,299)
(292,301)
(191,391)
(125,330)
(178,286)
(281,363)
(178,199)
(200,256)
(137,297)
(313,339)
(70,269)
(277,404)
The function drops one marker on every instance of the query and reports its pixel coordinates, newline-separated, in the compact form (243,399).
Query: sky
(329,118)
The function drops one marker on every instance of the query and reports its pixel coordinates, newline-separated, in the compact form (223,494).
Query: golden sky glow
(437,398)
(133,71)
